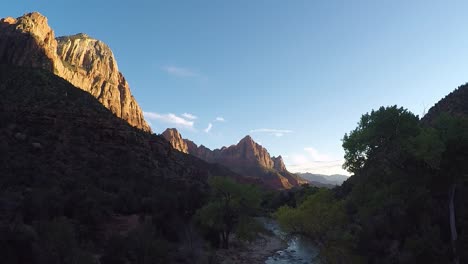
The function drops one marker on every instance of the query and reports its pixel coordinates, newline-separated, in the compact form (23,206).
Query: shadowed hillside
(67,158)
(454,104)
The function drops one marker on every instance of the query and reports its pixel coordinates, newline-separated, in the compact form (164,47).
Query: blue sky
(295,75)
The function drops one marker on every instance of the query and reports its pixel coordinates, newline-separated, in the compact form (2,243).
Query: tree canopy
(230,208)
(387,130)
(405,203)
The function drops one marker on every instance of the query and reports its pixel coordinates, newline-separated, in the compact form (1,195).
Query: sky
(295,75)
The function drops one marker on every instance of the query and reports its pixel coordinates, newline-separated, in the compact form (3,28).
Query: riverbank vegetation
(407,199)
(230,209)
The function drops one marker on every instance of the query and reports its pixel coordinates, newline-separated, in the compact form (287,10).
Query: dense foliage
(230,209)
(78,184)
(405,203)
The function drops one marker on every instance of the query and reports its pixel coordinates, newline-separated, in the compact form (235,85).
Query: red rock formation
(247,158)
(248,153)
(279,164)
(28,41)
(87,63)
(176,140)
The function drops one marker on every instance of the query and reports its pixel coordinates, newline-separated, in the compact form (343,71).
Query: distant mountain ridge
(247,158)
(330,180)
(87,63)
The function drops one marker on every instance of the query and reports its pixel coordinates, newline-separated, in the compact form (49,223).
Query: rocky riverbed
(275,247)
(255,252)
(299,250)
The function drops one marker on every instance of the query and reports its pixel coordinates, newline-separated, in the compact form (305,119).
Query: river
(300,250)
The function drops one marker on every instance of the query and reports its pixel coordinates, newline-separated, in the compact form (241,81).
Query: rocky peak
(252,152)
(8,20)
(278,164)
(28,41)
(87,63)
(246,140)
(176,140)
(33,23)
(88,54)
(247,158)
(246,153)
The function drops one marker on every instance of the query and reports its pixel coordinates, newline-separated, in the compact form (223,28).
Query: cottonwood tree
(230,209)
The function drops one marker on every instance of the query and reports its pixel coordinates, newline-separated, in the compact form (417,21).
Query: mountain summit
(247,158)
(87,63)
(176,140)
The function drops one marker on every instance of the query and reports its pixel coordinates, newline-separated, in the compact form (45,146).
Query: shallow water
(300,250)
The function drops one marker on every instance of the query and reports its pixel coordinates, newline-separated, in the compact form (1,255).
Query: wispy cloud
(189,116)
(220,119)
(270,131)
(170,118)
(180,71)
(315,155)
(208,129)
(313,161)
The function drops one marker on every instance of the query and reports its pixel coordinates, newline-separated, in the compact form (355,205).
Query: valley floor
(251,253)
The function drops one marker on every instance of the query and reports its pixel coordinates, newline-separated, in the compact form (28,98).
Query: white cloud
(270,131)
(208,129)
(179,71)
(298,159)
(316,155)
(327,168)
(189,116)
(220,119)
(313,161)
(170,119)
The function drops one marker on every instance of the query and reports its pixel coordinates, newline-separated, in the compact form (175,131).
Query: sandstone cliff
(247,158)
(278,164)
(174,137)
(87,63)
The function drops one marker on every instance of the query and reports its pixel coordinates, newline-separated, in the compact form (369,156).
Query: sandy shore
(251,253)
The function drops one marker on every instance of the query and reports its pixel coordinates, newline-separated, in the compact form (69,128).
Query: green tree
(230,209)
(406,180)
(318,215)
(322,218)
(453,133)
(387,130)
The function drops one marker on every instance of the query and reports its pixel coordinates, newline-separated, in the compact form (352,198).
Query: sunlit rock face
(247,158)
(28,41)
(174,137)
(278,164)
(87,63)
